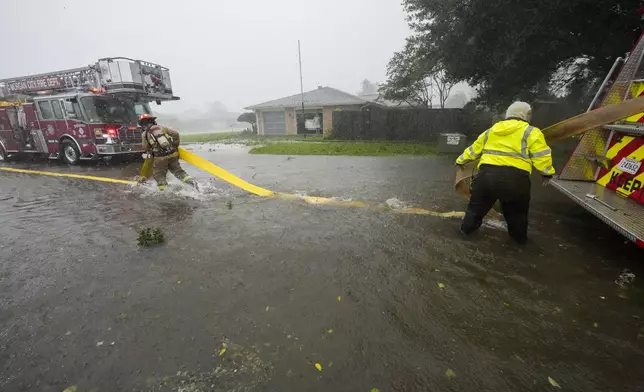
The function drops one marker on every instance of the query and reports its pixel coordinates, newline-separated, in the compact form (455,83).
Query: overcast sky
(239,52)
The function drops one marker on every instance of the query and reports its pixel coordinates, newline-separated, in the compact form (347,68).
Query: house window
(46,113)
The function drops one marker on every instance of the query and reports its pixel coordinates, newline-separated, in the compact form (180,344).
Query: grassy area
(245,138)
(349,148)
(310,145)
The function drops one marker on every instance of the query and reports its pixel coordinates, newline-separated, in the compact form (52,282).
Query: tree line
(509,49)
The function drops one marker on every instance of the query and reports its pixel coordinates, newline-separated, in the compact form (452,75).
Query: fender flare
(70,137)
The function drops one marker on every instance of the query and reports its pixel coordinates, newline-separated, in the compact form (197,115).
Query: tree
(510,49)
(443,85)
(415,77)
(249,117)
(368,88)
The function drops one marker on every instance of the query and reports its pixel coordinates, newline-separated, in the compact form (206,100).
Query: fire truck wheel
(70,153)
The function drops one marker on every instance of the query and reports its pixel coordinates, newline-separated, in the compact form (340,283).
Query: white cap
(520,110)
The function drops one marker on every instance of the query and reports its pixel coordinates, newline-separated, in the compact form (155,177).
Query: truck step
(622,214)
(632,129)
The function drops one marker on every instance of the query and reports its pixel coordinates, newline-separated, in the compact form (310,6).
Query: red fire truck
(605,172)
(78,114)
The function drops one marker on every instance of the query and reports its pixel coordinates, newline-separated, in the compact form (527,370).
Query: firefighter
(507,152)
(162,144)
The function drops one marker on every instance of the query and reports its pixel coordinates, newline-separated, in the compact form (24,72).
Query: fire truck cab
(80,114)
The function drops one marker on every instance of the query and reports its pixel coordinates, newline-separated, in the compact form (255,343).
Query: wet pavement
(252,294)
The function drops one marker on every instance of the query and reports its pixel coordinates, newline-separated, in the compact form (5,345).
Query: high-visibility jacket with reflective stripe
(513,143)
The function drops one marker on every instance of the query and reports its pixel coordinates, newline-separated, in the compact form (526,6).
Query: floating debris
(149,237)
(625,278)
(318,366)
(441,285)
(73,388)
(595,324)
(374,390)
(268,308)
(506,304)
(339,298)
(241,371)
(449,373)
(395,204)
(99,344)
(554,383)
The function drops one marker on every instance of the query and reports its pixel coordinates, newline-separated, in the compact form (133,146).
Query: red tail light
(111,131)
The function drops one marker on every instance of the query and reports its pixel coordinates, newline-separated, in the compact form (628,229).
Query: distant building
(280,116)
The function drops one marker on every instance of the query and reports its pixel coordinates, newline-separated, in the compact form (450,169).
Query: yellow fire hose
(563,130)
(68,175)
(209,167)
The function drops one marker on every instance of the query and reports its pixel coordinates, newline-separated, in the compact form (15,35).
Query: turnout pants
(509,185)
(168,163)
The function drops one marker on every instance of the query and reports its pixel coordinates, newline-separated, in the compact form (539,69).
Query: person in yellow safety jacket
(162,144)
(507,152)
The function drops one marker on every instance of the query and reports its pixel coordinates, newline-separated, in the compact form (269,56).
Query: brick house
(280,116)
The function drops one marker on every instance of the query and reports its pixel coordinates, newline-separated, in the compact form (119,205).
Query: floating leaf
(318,366)
(268,308)
(554,383)
(506,304)
(374,390)
(441,286)
(595,325)
(178,282)
(99,344)
(339,298)
(73,388)
(222,351)
(450,373)
(330,330)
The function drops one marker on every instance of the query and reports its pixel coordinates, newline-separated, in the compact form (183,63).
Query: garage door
(274,123)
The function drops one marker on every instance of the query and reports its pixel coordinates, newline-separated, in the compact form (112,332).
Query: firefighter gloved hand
(145,155)
(545,181)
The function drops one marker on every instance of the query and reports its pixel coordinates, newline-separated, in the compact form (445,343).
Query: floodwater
(251,294)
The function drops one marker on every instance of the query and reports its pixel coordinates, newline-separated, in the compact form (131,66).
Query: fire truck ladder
(59,81)
(114,75)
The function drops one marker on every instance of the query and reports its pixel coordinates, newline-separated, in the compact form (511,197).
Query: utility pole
(299,54)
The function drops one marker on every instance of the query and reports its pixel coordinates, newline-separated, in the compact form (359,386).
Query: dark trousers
(511,187)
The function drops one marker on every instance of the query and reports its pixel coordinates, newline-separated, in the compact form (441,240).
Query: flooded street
(252,294)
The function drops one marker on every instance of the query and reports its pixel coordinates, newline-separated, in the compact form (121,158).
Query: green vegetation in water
(346,148)
(246,138)
(149,237)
